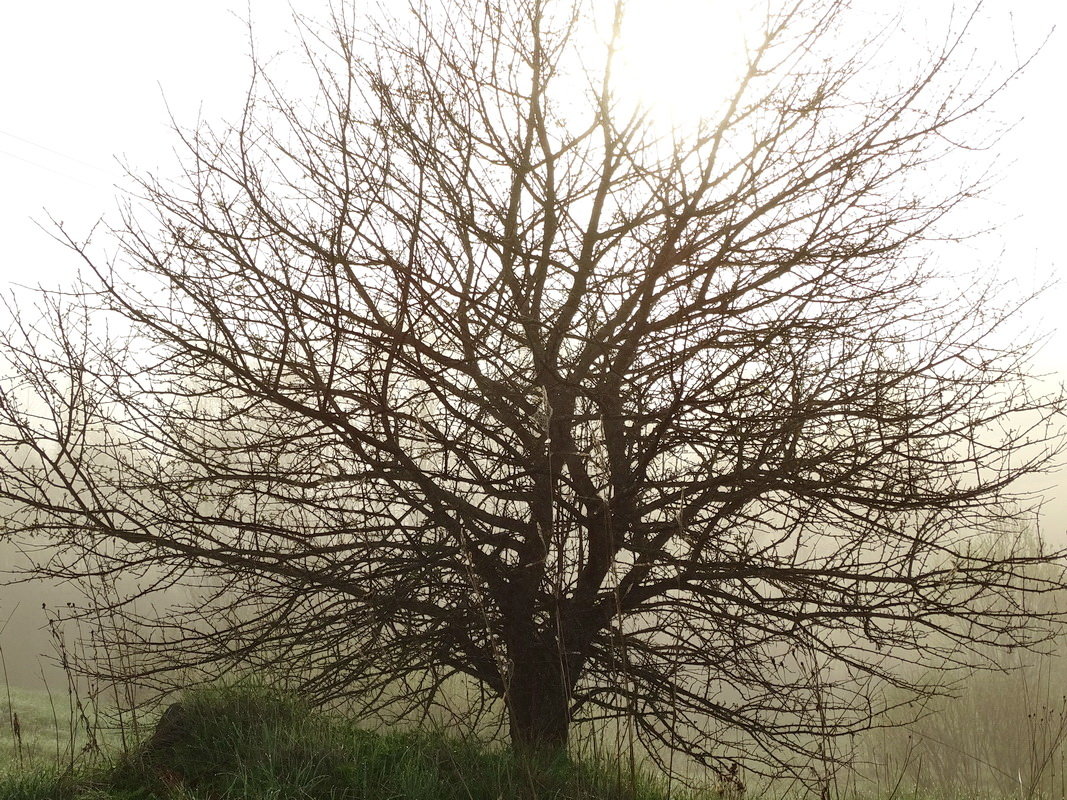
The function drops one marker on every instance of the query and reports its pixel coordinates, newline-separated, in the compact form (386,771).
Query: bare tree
(464,368)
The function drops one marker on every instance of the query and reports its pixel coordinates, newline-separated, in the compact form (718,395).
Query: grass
(248,742)
(38,739)
(1005,737)
(40,729)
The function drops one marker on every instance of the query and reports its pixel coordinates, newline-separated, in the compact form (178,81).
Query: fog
(96,95)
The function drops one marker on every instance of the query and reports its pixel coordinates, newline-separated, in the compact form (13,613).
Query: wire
(66,175)
(32,143)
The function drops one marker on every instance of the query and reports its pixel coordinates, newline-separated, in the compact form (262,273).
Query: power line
(66,175)
(32,143)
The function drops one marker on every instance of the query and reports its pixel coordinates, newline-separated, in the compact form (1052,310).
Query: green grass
(247,742)
(45,735)
(42,730)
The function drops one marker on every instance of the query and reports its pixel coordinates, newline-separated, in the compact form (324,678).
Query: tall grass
(1004,734)
(249,742)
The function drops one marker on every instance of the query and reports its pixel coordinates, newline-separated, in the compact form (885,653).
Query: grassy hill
(1006,737)
(246,742)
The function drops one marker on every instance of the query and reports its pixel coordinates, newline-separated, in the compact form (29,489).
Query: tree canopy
(463,367)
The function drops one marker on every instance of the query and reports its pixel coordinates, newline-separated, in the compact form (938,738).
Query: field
(1004,736)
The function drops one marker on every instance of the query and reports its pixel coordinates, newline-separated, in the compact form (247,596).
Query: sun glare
(681,59)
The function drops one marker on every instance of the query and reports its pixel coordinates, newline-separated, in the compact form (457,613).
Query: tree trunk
(538,701)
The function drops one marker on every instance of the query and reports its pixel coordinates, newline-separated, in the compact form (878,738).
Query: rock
(171,728)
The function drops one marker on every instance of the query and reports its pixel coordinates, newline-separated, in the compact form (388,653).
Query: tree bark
(538,701)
